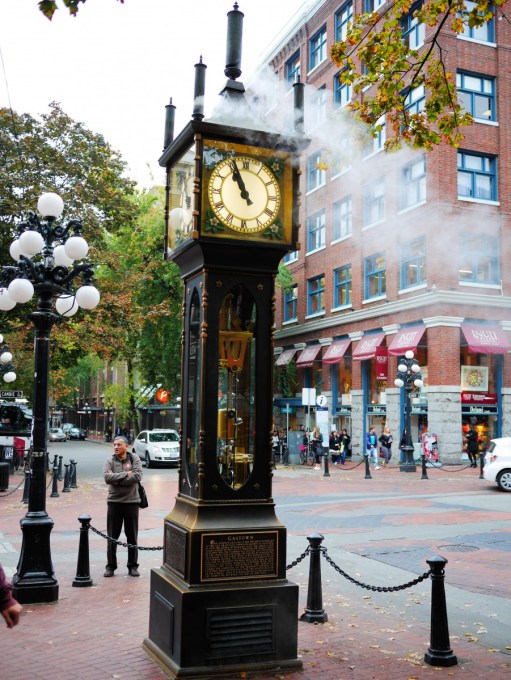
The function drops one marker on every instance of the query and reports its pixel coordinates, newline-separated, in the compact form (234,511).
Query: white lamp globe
(415,368)
(50,205)
(1,338)
(5,357)
(66,305)
(418,383)
(398,382)
(10,376)
(87,297)
(6,301)
(402,368)
(176,218)
(30,243)
(60,258)
(15,250)
(20,290)
(76,247)
(409,354)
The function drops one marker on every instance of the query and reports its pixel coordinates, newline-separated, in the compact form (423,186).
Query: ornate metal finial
(199,89)
(234,40)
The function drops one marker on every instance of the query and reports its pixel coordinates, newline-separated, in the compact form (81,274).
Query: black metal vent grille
(238,632)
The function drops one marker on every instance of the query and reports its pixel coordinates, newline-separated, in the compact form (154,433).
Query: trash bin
(4,476)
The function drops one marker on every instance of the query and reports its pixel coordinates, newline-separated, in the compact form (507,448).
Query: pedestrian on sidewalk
(122,473)
(386,445)
(334,445)
(317,447)
(372,447)
(9,607)
(472,445)
(345,445)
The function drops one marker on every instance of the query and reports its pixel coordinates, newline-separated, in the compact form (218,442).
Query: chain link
(124,545)
(300,558)
(442,467)
(379,589)
(4,495)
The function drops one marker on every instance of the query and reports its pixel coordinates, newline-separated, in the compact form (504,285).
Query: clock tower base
(222,630)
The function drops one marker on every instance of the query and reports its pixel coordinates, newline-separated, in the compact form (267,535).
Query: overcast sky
(114,66)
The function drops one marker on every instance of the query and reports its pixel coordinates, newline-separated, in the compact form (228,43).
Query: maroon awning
(308,355)
(366,348)
(336,351)
(285,357)
(485,339)
(406,339)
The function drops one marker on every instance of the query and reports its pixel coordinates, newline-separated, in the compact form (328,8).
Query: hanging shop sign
(478,398)
(382,359)
(162,395)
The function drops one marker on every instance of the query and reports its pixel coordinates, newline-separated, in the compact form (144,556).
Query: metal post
(83,578)
(54,488)
(72,476)
(67,488)
(423,463)
(60,474)
(368,469)
(314,612)
(439,652)
(26,487)
(327,471)
(482,456)
(55,460)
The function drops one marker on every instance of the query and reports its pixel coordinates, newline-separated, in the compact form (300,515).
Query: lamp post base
(408,465)
(34,581)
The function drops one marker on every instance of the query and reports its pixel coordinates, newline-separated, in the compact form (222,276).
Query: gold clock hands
(236,177)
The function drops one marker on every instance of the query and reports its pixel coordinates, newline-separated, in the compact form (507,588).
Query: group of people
(339,445)
(385,441)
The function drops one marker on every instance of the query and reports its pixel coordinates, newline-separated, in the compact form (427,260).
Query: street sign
(13,394)
(321,400)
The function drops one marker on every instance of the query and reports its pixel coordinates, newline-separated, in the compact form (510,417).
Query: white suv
(157,446)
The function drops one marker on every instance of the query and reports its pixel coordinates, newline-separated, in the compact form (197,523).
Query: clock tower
(221,602)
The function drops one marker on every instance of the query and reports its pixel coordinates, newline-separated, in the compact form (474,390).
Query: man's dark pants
(118,513)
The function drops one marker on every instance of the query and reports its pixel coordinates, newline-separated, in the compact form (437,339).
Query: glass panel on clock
(236,387)
(180,221)
(193,378)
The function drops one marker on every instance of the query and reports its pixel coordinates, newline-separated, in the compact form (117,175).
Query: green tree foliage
(375,55)
(49,7)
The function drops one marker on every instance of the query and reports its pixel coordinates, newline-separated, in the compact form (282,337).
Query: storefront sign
(419,409)
(14,394)
(382,359)
(481,410)
(377,409)
(478,398)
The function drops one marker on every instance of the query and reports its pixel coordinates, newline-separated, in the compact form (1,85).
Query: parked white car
(157,446)
(497,466)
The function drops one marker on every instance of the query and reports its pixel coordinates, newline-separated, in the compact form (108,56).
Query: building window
(342,156)
(318,108)
(415,98)
(372,5)
(374,202)
(317,48)
(377,137)
(290,303)
(413,263)
(342,286)
(479,259)
(477,95)
(316,231)
(342,92)
(293,69)
(413,30)
(375,284)
(342,218)
(477,176)
(316,295)
(316,171)
(413,183)
(291,257)
(484,33)
(343,18)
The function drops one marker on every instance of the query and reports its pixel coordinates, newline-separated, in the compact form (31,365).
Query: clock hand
(236,177)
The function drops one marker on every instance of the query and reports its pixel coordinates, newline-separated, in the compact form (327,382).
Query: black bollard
(314,612)
(72,475)
(61,476)
(55,460)
(481,465)
(67,488)
(55,481)
(424,472)
(82,578)
(327,471)
(439,652)
(368,469)
(26,487)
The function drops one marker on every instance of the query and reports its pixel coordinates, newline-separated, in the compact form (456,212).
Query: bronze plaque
(175,549)
(239,555)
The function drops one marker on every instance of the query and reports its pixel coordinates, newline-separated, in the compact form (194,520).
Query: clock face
(244,194)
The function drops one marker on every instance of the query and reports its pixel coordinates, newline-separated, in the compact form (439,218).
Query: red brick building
(400,250)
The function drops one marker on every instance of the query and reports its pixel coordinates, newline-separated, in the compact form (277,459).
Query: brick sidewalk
(96,633)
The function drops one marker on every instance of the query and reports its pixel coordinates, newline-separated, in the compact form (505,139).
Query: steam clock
(220,602)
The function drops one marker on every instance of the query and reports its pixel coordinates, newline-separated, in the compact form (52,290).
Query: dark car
(77,433)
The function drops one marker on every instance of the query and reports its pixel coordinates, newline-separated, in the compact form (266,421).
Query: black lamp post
(409,377)
(45,255)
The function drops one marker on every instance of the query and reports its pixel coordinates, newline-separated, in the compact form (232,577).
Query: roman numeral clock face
(244,194)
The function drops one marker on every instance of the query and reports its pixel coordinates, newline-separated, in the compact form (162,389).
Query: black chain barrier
(300,558)
(3,495)
(430,464)
(124,545)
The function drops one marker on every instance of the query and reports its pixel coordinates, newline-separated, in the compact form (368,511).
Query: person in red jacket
(10,608)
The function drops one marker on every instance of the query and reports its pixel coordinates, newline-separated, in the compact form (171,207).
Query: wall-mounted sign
(382,359)
(474,378)
(478,398)
(162,395)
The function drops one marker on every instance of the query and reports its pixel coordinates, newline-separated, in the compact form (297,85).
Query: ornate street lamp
(409,377)
(45,255)
(6,365)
